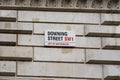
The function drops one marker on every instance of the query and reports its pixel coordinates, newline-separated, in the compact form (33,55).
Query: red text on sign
(68,38)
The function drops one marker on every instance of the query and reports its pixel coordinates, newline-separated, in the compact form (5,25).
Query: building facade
(91,50)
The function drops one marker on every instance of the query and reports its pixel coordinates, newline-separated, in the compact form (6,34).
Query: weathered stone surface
(112,72)
(22,3)
(8,25)
(12,27)
(111,43)
(59,54)
(31,40)
(108,6)
(25,28)
(38,40)
(39,28)
(59,70)
(110,19)
(8,39)
(7,68)
(88,42)
(36,78)
(8,15)
(62,17)
(102,31)
(102,56)
(16,53)
(117,31)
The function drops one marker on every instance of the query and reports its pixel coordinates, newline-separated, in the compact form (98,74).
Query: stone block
(102,56)
(64,70)
(14,28)
(59,54)
(7,68)
(38,78)
(111,43)
(59,17)
(111,72)
(8,39)
(110,19)
(31,40)
(101,31)
(25,28)
(88,42)
(39,28)
(117,34)
(16,53)
(38,40)
(8,15)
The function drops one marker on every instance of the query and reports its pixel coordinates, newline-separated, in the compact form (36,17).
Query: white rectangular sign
(59,38)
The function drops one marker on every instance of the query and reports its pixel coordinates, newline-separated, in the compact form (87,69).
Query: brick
(59,54)
(62,17)
(8,39)
(7,68)
(101,31)
(111,43)
(31,40)
(16,53)
(102,56)
(59,70)
(12,27)
(8,15)
(111,72)
(39,28)
(38,40)
(110,19)
(88,42)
